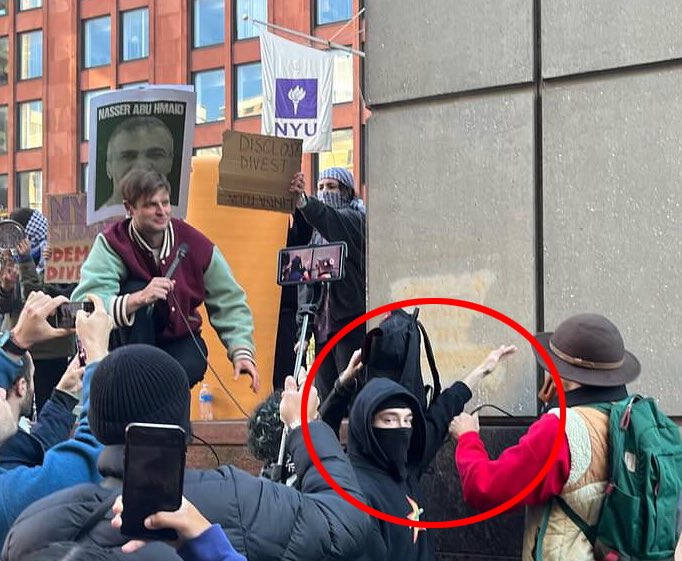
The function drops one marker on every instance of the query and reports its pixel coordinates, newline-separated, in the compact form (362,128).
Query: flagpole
(312,38)
(356,16)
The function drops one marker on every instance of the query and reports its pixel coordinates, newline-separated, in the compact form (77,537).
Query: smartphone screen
(312,263)
(82,358)
(65,316)
(152,477)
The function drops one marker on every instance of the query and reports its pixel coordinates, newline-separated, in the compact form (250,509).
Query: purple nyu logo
(296,98)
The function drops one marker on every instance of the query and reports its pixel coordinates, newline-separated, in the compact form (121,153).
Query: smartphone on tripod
(311,264)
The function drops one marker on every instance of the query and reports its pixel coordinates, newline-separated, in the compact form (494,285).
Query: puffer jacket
(264,520)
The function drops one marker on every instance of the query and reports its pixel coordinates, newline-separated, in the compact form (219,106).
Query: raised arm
(75,460)
(452,401)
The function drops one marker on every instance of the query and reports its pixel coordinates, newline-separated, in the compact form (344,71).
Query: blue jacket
(54,425)
(64,465)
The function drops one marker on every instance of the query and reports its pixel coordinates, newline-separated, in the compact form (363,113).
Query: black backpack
(393,350)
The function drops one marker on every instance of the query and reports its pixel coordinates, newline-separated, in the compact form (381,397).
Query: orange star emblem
(414,515)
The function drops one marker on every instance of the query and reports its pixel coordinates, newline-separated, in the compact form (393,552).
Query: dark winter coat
(347,296)
(265,521)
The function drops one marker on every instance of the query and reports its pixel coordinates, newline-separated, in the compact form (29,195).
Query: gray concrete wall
(539,178)
(446,46)
(612,164)
(455,230)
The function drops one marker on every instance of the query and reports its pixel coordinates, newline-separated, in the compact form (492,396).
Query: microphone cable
(215,454)
(210,366)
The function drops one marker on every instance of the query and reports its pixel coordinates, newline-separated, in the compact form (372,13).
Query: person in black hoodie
(391,441)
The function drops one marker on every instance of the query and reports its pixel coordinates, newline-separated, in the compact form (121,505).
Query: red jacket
(488,483)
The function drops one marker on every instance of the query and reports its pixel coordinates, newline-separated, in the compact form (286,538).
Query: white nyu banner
(297,92)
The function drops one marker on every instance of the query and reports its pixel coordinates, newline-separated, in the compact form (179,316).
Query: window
(3,129)
(29,4)
(135,36)
(255,9)
(210,88)
(30,185)
(4,59)
(82,188)
(343,77)
(341,154)
(30,125)
(97,42)
(330,11)
(209,151)
(85,107)
(3,195)
(133,85)
(3,12)
(31,55)
(209,23)
(249,90)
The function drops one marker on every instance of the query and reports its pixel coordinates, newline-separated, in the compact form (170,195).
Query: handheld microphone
(183,250)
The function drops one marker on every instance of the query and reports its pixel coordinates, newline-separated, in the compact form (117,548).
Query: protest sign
(66,260)
(148,128)
(69,236)
(256,171)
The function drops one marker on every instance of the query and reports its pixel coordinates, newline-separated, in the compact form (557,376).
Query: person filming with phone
(54,422)
(337,215)
(263,520)
(154,271)
(50,358)
(74,460)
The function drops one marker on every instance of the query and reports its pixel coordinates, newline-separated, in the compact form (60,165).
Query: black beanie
(137,384)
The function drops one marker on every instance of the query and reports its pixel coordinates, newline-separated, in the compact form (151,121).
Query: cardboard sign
(256,171)
(67,259)
(69,236)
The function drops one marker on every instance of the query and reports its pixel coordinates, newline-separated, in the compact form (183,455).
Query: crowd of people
(146,276)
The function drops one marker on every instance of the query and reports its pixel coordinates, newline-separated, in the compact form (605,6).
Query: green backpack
(638,520)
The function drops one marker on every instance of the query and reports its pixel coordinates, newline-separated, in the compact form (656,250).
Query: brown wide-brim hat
(589,349)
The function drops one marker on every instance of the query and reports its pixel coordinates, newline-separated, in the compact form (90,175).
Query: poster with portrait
(147,128)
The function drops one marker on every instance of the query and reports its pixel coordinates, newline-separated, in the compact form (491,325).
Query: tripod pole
(302,347)
(277,470)
(309,310)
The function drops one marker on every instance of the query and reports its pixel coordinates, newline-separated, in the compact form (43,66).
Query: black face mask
(395,444)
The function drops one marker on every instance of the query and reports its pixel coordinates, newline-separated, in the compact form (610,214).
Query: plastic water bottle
(205,403)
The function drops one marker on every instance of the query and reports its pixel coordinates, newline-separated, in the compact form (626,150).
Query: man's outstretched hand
(245,366)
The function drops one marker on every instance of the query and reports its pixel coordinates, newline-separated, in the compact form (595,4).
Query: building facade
(534,167)
(56,55)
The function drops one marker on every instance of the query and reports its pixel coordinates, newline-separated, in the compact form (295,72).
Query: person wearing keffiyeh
(35,228)
(51,357)
(337,215)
